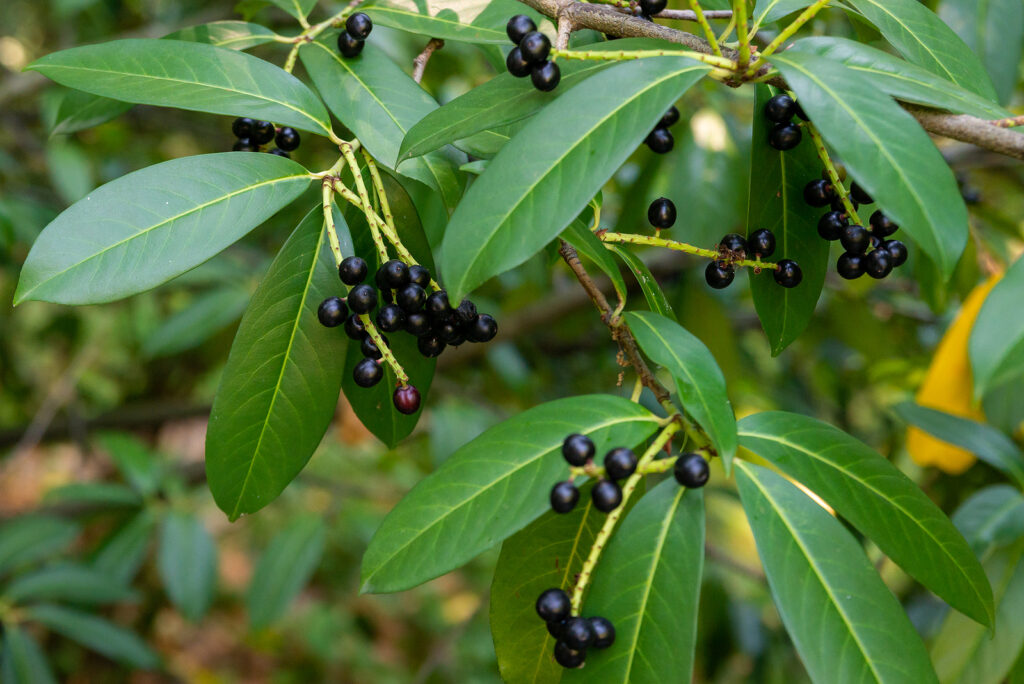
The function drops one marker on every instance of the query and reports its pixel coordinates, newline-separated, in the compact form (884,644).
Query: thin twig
(419,65)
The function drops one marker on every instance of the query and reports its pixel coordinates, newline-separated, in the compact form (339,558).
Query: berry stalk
(332,231)
(652,241)
(385,351)
(621,55)
(364,201)
(833,174)
(787,33)
(706,27)
(739,12)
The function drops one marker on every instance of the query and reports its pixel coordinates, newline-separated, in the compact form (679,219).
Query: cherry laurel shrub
(597,501)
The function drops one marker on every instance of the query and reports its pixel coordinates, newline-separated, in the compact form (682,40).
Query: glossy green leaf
(187,562)
(845,623)
(899,78)
(470,21)
(767,11)
(588,245)
(491,488)
(149,226)
(236,35)
(991,517)
(986,442)
(79,111)
(187,75)
(996,347)
(67,583)
(994,30)
(965,652)
(22,661)
(655,296)
(699,380)
(299,9)
(648,584)
(920,36)
(544,177)
(126,549)
(281,383)
(205,316)
(30,539)
(885,150)
(96,634)
(284,568)
(878,500)
(776,202)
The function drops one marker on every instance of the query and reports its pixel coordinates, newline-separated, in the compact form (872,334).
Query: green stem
(332,230)
(706,27)
(385,351)
(787,33)
(653,241)
(619,55)
(364,201)
(739,12)
(833,175)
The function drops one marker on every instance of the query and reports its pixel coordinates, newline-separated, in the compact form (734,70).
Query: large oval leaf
(96,634)
(648,584)
(996,347)
(544,177)
(281,383)
(846,624)
(699,379)
(491,488)
(67,583)
(470,21)
(886,151)
(187,562)
(187,75)
(284,568)
(994,29)
(32,538)
(145,228)
(878,500)
(237,35)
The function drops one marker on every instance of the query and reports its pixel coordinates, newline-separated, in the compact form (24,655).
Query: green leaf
(886,151)
(299,9)
(991,517)
(96,634)
(281,383)
(470,21)
(125,550)
(205,316)
(996,347)
(986,442)
(776,202)
(99,495)
(920,36)
(967,653)
(586,243)
(23,662)
(994,30)
(284,568)
(145,228)
(773,10)
(140,467)
(699,380)
(33,538)
(899,78)
(648,584)
(491,488)
(236,35)
(78,111)
(845,623)
(878,500)
(187,561)
(544,177)
(68,584)
(194,76)
(653,293)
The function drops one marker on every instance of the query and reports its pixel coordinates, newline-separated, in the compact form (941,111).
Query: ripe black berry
(280,153)
(553,605)
(859,195)
(784,136)
(437,304)
(483,329)
(348,45)
(761,243)
(535,47)
(450,333)
(897,251)
(651,7)
(577,633)
(465,313)
(245,145)
(660,141)
(391,318)
(577,449)
(691,470)
(564,496)
(855,239)
(420,276)
(878,263)
(733,242)
(354,328)
(332,312)
(882,225)
(830,226)
(359,25)
(780,109)
(262,132)
(518,26)
(546,76)
(620,463)
(417,324)
(850,266)
(516,65)
(568,657)
(362,299)
(395,274)
(352,270)
(411,298)
(604,632)
(406,399)
(242,127)
(819,193)
(606,496)
(662,213)
(719,275)
(669,118)
(288,139)
(367,373)
(788,273)
(555,629)
(370,349)
(430,346)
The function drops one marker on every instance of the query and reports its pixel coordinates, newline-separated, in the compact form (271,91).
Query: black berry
(568,657)
(518,26)
(819,193)
(553,605)
(660,141)
(651,7)
(546,76)
(535,47)
(784,136)
(882,225)
(516,65)
(555,628)
(606,496)
(691,470)
(897,251)
(859,195)
(831,225)
(850,266)
(354,328)
(662,213)
(788,273)
(604,632)
(761,243)
(878,263)
(430,346)
(287,139)
(465,312)
(332,312)
(280,153)
(855,239)
(396,274)
(367,373)
(564,496)
(262,132)
(780,109)
(245,145)
(352,270)
(450,333)
(411,298)
(417,324)
(419,276)
(577,633)
(359,25)
(733,242)
(406,399)
(483,329)
(577,449)
(348,45)
(437,304)
(242,127)
(719,275)
(391,318)
(669,118)
(370,349)
(620,463)
(362,299)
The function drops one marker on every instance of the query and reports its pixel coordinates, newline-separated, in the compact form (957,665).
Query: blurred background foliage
(82,387)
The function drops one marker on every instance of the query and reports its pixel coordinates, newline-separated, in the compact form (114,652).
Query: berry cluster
(619,463)
(253,134)
(758,245)
(780,110)
(573,634)
(660,140)
(529,57)
(856,260)
(353,38)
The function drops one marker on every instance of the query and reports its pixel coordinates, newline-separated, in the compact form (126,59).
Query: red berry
(407,399)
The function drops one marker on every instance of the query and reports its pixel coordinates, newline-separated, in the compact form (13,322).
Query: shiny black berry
(780,109)
(662,213)
(855,239)
(367,373)
(332,312)
(437,304)
(362,299)
(784,136)
(280,153)
(882,225)
(620,463)
(451,334)
(761,243)
(719,275)
(859,195)
(897,251)
(878,263)
(555,629)
(518,26)
(370,349)
(516,65)
(465,312)
(733,242)
(606,495)
(691,470)
(245,145)
(545,77)
(535,47)
(567,657)
(604,632)
(482,329)
(831,225)
(788,273)
(660,141)
(352,270)
(553,605)
(819,193)
(564,496)
(577,633)
(348,45)
(406,399)
(396,274)
(430,346)
(417,324)
(577,449)
(287,139)
(850,266)
(242,127)
(411,298)
(391,318)
(359,25)
(651,7)
(262,132)
(669,118)
(419,276)
(354,328)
